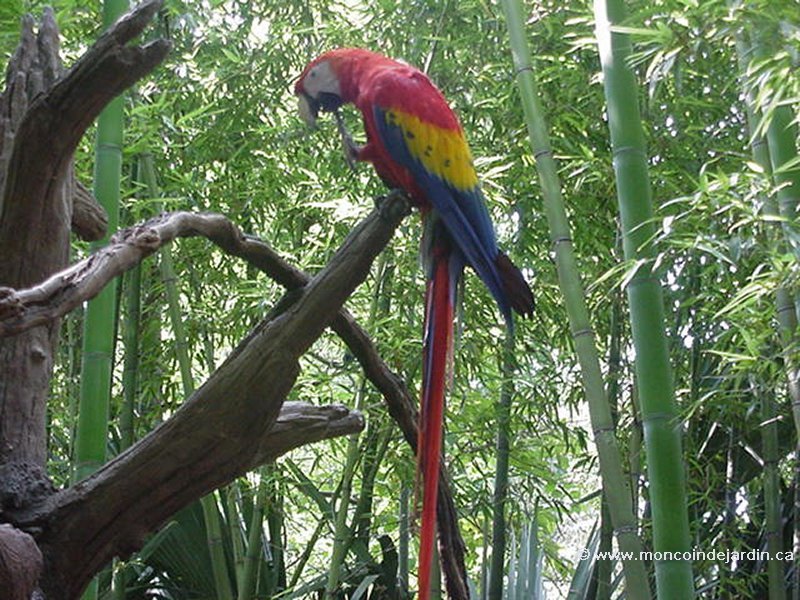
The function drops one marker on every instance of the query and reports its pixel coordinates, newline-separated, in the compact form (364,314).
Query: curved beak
(309,109)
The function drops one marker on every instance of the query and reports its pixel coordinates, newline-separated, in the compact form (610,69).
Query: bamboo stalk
(343,535)
(614,481)
(635,446)
(98,340)
(662,435)
(484,582)
(275,511)
(782,136)
(511,588)
(91,434)
(781,150)
(604,567)
(379,430)
(522,592)
(301,562)
(502,450)
(436,575)
(219,565)
(375,448)
(772,154)
(130,377)
(130,371)
(773,529)
(784,305)
(403,535)
(247,583)
(208,503)
(236,529)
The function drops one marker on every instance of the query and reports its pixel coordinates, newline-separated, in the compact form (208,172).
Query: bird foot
(395,203)
(351,149)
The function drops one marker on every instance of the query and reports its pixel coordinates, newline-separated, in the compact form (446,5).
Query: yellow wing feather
(443,152)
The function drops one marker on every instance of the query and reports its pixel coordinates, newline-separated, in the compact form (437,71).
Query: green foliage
(10,14)
(525,576)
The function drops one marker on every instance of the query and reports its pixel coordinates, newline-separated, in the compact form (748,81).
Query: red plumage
(439,329)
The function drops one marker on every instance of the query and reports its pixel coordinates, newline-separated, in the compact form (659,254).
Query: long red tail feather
(438,340)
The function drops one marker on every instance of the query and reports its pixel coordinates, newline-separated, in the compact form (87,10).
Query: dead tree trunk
(34,243)
(42,117)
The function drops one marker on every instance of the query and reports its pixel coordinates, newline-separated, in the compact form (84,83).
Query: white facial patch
(321,79)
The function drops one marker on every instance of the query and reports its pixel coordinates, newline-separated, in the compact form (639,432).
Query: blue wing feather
(463,212)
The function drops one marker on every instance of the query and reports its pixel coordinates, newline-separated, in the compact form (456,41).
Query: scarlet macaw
(415,142)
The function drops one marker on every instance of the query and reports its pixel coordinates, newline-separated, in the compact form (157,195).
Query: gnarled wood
(20,564)
(89,219)
(214,437)
(32,240)
(301,423)
(20,310)
(43,116)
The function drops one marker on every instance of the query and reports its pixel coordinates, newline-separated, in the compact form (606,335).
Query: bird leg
(351,149)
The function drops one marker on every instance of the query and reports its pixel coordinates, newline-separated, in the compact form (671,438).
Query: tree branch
(49,132)
(21,310)
(214,437)
(89,218)
(300,423)
(68,289)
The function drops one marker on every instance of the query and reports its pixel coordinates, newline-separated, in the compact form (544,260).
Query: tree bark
(42,117)
(26,361)
(20,564)
(89,219)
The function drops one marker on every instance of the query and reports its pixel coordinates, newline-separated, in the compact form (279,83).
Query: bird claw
(395,203)
(351,149)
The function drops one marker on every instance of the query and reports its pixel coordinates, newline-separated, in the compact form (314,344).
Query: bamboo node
(659,416)
(561,239)
(582,332)
(639,280)
(600,430)
(520,70)
(623,529)
(629,150)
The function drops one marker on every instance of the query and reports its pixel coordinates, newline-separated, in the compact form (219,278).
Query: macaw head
(318,88)
(331,80)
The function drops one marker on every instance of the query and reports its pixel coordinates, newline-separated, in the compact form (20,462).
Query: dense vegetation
(217,126)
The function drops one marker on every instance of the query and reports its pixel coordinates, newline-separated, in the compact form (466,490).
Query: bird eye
(313,74)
